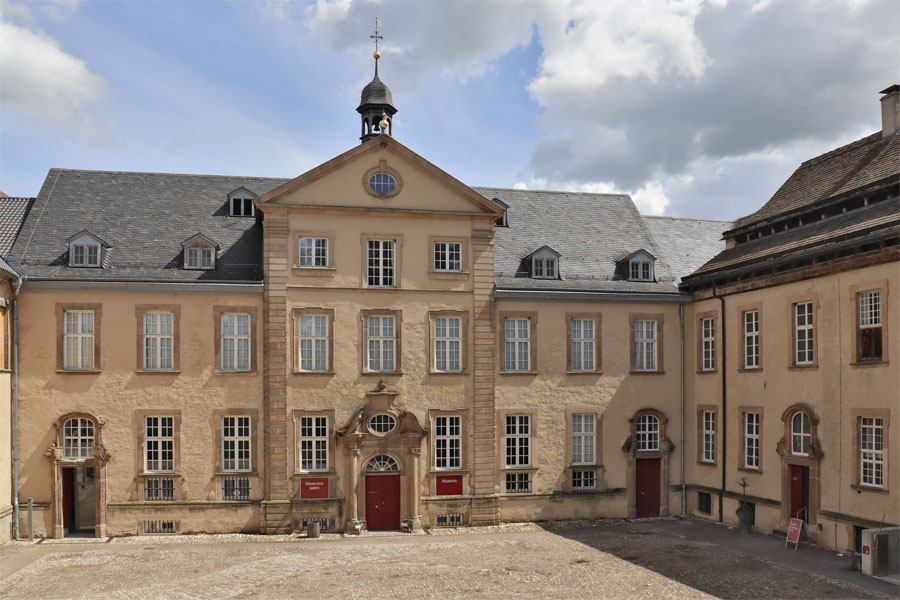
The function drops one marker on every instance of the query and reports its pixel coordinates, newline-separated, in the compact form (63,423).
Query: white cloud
(45,84)
(651,199)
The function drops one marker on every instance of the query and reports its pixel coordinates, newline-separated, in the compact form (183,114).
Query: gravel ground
(603,559)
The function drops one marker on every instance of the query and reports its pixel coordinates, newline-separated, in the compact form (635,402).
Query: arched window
(382,464)
(800,434)
(646,432)
(78,438)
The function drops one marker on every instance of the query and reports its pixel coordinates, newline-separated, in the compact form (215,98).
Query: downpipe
(16,532)
(724,353)
(683,488)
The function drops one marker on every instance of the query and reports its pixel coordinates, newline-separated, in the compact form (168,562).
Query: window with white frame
(583,439)
(312,343)
(871,451)
(646,433)
(708,453)
(85,255)
(235,342)
(447,256)
(78,339)
(644,345)
(78,438)
(199,257)
(158,341)
(751,339)
(241,204)
(235,444)
(447,442)
(382,343)
(582,345)
(517,345)
(518,441)
(751,440)
(381,263)
(708,344)
(868,334)
(544,267)
(640,270)
(800,434)
(159,444)
(803,333)
(313,252)
(447,344)
(313,443)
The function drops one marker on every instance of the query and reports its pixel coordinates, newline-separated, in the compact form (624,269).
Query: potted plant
(745,509)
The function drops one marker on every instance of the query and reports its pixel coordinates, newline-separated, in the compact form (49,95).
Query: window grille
(159,489)
(159,526)
(449,520)
(584,479)
(518,483)
(236,488)
(324,523)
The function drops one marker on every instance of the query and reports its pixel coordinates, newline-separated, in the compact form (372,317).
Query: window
(751,339)
(868,333)
(382,183)
(447,256)
(709,437)
(708,344)
(381,263)
(382,424)
(704,503)
(640,270)
(159,489)
(78,339)
(235,444)
(584,479)
(448,442)
(313,252)
(85,255)
(517,345)
(78,438)
(382,464)
(518,483)
(518,438)
(583,441)
(313,343)
(800,434)
(803,333)
(871,452)
(646,433)
(447,344)
(644,345)
(159,444)
(751,440)
(158,341)
(313,443)
(381,337)
(235,488)
(199,257)
(582,345)
(544,268)
(235,342)
(240,203)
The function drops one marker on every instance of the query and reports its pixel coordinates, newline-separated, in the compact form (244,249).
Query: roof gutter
(582,295)
(240,287)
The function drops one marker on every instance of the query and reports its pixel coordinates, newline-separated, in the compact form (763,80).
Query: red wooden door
(797,492)
(382,502)
(647,487)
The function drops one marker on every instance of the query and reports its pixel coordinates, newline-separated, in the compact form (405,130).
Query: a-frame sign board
(793,534)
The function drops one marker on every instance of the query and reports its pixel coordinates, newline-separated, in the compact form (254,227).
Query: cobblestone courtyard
(604,559)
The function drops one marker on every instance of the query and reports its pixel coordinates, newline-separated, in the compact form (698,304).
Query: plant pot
(745,520)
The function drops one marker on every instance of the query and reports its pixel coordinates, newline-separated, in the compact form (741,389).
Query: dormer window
(199,253)
(638,266)
(240,203)
(502,221)
(641,270)
(85,250)
(545,263)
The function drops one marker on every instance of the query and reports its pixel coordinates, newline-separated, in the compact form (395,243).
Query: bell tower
(376,106)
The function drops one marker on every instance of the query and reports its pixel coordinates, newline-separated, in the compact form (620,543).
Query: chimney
(890,111)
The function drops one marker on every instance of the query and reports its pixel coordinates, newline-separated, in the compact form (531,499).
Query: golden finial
(383,124)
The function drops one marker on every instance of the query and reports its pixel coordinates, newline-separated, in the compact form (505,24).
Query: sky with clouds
(696,108)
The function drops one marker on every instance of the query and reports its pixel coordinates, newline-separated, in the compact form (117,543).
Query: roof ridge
(841,149)
(616,194)
(169,174)
(687,219)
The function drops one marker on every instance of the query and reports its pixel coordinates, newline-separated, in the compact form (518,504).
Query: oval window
(382,423)
(382,183)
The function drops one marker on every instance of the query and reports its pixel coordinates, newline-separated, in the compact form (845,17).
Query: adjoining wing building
(373,344)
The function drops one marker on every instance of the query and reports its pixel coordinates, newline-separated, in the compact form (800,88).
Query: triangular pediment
(405,182)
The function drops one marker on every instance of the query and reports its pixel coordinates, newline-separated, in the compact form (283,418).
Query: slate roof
(144,217)
(376,92)
(590,231)
(687,244)
(858,164)
(12,214)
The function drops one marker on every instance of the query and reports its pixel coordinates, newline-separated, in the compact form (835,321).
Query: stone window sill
(813,367)
(448,274)
(869,363)
(157,372)
(463,372)
(867,488)
(751,470)
(79,371)
(221,372)
(314,271)
(584,372)
(448,472)
(328,373)
(707,372)
(751,370)
(518,372)
(648,372)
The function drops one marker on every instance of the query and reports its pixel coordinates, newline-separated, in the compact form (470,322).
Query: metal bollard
(31,519)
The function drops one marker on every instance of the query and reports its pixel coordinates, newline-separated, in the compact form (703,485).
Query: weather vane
(376,36)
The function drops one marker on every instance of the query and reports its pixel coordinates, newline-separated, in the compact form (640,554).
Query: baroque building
(373,344)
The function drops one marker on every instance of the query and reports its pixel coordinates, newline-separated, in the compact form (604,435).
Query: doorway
(79,500)
(647,487)
(382,502)
(800,493)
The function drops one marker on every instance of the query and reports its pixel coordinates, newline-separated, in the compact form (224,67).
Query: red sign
(865,549)
(314,487)
(793,535)
(448,485)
